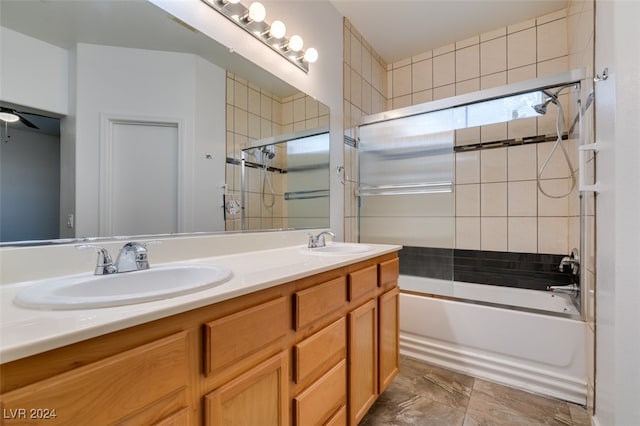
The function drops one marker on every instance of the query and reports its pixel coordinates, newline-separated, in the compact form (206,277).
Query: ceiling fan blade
(25,121)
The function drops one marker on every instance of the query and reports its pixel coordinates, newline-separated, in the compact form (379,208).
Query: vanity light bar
(251,19)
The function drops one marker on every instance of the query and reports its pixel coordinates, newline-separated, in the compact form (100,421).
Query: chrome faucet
(318,240)
(104,264)
(132,257)
(572,289)
(573,260)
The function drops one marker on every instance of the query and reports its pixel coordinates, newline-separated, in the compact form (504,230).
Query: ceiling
(398,29)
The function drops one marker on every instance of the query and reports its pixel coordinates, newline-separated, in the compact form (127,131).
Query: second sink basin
(339,249)
(101,291)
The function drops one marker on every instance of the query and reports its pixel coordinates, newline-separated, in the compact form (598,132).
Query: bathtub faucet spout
(572,289)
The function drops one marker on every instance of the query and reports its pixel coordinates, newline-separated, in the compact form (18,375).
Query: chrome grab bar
(404,189)
(306,195)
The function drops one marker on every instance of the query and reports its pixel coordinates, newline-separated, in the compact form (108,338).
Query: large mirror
(142,123)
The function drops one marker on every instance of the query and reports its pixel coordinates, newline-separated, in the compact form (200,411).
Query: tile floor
(426,395)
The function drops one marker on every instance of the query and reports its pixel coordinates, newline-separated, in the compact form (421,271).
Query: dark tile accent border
(521,270)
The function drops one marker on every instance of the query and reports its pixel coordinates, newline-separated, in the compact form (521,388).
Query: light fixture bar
(240,15)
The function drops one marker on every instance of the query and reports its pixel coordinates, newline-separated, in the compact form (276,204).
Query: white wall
(618,203)
(154,85)
(320,24)
(37,72)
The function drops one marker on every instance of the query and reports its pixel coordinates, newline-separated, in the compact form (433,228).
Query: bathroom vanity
(289,348)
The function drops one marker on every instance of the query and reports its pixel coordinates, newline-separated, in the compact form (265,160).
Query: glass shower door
(406,172)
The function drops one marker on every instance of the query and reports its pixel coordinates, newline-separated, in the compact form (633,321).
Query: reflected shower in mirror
(283,183)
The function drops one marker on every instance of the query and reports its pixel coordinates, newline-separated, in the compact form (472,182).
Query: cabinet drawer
(323,398)
(319,301)
(108,390)
(388,272)
(320,350)
(363,282)
(234,337)
(339,418)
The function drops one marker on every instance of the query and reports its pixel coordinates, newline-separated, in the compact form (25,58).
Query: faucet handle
(104,264)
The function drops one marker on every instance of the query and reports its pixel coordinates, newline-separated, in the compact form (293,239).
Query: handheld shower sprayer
(269,151)
(560,127)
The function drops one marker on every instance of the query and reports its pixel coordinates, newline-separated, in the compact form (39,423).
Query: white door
(144,178)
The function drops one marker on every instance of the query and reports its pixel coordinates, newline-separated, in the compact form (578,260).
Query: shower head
(268,151)
(542,108)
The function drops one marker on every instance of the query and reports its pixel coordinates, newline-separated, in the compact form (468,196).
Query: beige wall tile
(523,198)
(525,127)
(444,49)
(467,42)
(467,136)
(553,66)
(240,121)
(402,63)
(521,74)
(422,56)
(548,206)
(401,81)
(240,95)
(254,126)
(254,101)
(467,200)
(422,97)
(468,63)
(493,165)
(552,40)
(558,14)
(521,26)
(493,132)
(401,101)
(493,80)
(521,48)
(522,161)
(493,199)
(553,235)
(422,75)
(367,93)
(443,92)
(523,234)
(468,233)
(444,70)
(299,110)
(468,86)
(356,89)
(266,107)
(493,34)
(346,82)
(493,56)
(557,166)
(366,65)
(467,167)
(356,54)
(493,233)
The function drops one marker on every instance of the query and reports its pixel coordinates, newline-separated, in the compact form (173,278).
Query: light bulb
(296,43)
(9,117)
(257,12)
(277,30)
(311,55)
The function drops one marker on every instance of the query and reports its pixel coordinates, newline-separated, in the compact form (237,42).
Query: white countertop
(25,332)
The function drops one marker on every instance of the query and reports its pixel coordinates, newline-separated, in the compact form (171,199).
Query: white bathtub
(531,351)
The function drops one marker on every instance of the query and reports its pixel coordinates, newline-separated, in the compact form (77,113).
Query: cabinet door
(363,360)
(389,361)
(258,397)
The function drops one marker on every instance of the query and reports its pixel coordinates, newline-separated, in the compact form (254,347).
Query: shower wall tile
(444,69)
(549,206)
(468,233)
(422,97)
(553,66)
(422,75)
(467,200)
(467,62)
(553,235)
(493,232)
(552,39)
(521,162)
(443,92)
(520,26)
(522,234)
(468,86)
(468,167)
(493,56)
(493,164)
(467,136)
(402,81)
(493,80)
(527,72)
(493,132)
(523,128)
(493,199)
(521,48)
(522,198)
(490,35)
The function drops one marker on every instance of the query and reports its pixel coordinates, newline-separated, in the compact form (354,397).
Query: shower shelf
(306,195)
(405,189)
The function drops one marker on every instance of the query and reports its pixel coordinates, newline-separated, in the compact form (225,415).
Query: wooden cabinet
(363,360)
(134,387)
(257,397)
(314,351)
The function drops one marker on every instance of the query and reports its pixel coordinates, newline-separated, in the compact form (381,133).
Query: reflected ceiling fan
(9,115)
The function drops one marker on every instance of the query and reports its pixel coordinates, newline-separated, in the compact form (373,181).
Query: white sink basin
(339,249)
(101,291)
